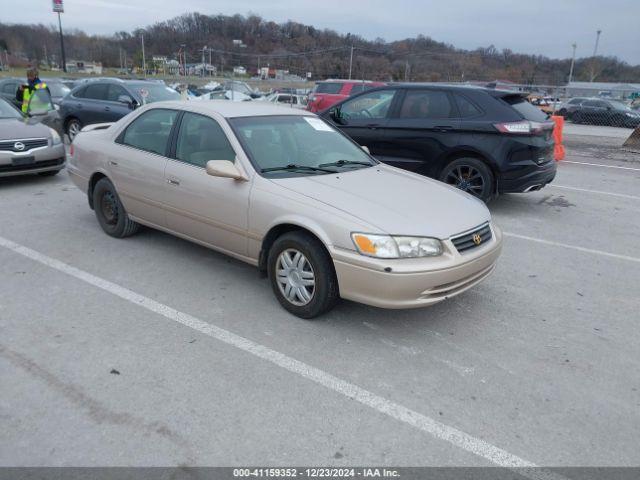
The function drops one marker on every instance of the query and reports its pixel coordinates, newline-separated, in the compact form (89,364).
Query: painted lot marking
(600,165)
(573,247)
(599,192)
(391,409)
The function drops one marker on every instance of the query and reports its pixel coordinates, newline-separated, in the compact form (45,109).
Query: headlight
(387,246)
(55,138)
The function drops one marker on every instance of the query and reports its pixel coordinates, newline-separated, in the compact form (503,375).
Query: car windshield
(299,145)
(156,93)
(7,111)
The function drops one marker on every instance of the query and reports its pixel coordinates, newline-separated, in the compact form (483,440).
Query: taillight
(523,127)
(71,150)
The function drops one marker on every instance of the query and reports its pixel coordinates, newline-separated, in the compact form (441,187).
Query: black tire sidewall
(326,288)
(487,175)
(117,230)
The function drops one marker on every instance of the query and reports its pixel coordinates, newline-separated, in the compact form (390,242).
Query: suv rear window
(329,87)
(524,108)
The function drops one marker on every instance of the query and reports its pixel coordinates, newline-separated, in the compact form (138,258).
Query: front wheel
(470,175)
(302,275)
(110,212)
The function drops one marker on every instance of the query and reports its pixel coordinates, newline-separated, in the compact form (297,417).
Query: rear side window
(465,107)
(524,108)
(595,103)
(361,87)
(96,91)
(426,104)
(150,131)
(331,88)
(201,139)
(575,101)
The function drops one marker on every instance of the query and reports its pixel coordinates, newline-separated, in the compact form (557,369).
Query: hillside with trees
(303,48)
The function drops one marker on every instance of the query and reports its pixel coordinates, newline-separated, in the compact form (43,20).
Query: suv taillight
(524,127)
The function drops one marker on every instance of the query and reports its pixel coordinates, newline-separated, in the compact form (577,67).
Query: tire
(313,265)
(110,212)
(470,175)
(50,173)
(73,128)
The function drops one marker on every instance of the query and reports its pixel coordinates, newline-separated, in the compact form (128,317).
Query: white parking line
(600,165)
(573,247)
(391,409)
(599,192)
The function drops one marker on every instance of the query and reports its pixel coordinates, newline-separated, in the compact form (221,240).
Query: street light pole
(573,61)
(64,58)
(593,60)
(350,62)
(144,63)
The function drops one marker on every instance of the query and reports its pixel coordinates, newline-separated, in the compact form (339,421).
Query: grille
(31,166)
(465,242)
(9,145)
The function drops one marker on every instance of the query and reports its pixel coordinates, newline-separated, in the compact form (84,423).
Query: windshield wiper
(340,163)
(293,166)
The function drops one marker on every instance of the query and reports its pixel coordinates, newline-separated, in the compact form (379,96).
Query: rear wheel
(110,212)
(470,175)
(302,275)
(73,128)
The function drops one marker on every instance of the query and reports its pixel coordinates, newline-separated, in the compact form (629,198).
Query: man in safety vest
(25,92)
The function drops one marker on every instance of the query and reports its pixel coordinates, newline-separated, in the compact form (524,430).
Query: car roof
(232,109)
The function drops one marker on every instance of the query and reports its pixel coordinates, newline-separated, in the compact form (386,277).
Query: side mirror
(366,149)
(224,169)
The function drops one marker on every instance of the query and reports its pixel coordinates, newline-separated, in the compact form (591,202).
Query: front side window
(373,105)
(426,104)
(150,131)
(115,92)
(296,145)
(202,139)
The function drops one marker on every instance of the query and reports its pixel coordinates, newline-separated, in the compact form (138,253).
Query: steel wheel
(295,277)
(109,207)
(466,178)
(73,129)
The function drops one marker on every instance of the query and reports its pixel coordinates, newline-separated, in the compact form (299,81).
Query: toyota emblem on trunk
(19,146)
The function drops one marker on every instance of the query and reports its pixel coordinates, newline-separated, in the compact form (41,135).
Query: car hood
(16,129)
(395,201)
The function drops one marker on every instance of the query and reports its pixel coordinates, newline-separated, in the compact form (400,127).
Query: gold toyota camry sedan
(282,190)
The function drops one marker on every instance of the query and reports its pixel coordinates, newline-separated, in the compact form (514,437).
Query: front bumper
(414,283)
(42,159)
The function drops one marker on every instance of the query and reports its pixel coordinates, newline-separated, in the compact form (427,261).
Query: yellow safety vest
(26,95)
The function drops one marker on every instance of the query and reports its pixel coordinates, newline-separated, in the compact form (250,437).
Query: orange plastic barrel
(558,149)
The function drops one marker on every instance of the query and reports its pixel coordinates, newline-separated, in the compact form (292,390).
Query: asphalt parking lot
(154,351)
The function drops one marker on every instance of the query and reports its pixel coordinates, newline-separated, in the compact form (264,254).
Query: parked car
(547,104)
(480,140)
(330,92)
(241,87)
(224,95)
(108,100)
(567,108)
(606,112)
(57,88)
(283,190)
(8,89)
(28,146)
(288,99)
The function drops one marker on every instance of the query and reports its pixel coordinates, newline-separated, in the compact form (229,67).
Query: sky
(543,27)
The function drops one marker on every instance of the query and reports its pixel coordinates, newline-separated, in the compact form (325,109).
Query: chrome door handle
(173,181)
(111,162)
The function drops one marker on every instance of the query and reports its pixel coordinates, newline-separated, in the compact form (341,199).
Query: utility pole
(350,62)
(210,71)
(46,59)
(406,71)
(64,58)
(573,61)
(203,50)
(144,63)
(595,52)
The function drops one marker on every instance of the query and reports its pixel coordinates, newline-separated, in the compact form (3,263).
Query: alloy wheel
(467,179)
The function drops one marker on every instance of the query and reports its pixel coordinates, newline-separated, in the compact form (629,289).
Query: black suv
(480,140)
(108,100)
